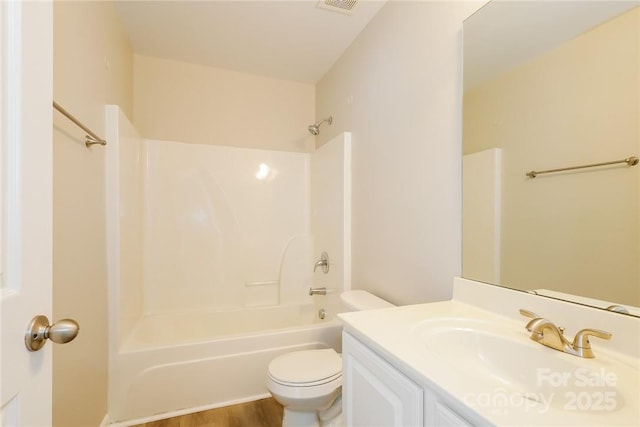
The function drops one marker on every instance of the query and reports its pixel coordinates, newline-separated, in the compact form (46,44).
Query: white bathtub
(185,362)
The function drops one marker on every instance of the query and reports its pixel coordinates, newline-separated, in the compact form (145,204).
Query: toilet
(308,383)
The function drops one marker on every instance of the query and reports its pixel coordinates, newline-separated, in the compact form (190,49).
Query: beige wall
(177,101)
(398,89)
(578,104)
(92,67)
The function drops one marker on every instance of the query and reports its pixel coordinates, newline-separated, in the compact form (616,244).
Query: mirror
(551,85)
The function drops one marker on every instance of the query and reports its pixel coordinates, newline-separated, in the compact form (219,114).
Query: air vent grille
(344,6)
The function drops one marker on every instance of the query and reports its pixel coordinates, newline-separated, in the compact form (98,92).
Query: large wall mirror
(553,85)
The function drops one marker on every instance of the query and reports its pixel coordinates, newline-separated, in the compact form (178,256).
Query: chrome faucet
(324,263)
(547,333)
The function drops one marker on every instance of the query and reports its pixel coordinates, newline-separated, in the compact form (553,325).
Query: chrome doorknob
(39,330)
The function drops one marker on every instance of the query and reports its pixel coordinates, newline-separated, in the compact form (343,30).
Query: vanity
(470,361)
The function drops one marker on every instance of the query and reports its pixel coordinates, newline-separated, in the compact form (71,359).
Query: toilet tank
(362,300)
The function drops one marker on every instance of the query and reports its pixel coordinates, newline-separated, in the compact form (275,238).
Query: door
(26,49)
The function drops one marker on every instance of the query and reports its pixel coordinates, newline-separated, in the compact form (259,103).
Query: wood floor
(261,413)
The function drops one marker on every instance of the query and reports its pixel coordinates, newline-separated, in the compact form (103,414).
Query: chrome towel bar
(91,138)
(631,161)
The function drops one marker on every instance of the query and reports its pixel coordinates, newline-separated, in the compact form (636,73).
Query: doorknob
(39,331)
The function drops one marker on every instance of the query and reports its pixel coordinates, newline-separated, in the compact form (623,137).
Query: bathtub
(178,363)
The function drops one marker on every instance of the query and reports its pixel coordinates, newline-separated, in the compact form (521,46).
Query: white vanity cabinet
(375,393)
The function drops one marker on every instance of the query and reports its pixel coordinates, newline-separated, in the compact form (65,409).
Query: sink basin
(515,370)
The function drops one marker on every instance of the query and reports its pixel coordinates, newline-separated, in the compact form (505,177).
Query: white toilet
(308,383)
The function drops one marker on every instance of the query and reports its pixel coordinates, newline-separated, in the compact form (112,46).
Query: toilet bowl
(308,383)
(305,382)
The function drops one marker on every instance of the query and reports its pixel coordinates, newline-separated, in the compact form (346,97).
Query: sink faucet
(547,333)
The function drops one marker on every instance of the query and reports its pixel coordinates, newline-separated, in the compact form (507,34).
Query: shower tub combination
(208,277)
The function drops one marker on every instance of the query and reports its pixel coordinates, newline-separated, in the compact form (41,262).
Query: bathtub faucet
(317,291)
(324,263)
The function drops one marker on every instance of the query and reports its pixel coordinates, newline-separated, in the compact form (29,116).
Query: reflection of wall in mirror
(576,104)
(481,200)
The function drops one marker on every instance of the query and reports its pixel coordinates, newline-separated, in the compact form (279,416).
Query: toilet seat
(306,368)
(306,384)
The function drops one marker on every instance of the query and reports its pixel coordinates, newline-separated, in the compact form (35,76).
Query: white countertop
(397,335)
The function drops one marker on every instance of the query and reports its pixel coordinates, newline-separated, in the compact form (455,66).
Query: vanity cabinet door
(374,393)
(445,417)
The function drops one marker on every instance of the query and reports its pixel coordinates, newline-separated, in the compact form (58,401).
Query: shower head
(315,128)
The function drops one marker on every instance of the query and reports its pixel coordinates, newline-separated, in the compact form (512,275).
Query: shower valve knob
(39,330)
(324,263)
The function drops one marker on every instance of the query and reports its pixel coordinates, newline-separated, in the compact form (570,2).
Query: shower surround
(211,252)
(218,224)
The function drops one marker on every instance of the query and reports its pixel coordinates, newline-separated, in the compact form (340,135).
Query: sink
(476,356)
(514,370)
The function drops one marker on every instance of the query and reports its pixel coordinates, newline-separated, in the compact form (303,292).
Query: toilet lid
(306,366)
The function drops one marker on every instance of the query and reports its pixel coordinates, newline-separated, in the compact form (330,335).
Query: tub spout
(317,291)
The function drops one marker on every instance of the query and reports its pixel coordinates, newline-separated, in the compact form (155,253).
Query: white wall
(124,206)
(177,101)
(92,67)
(330,183)
(398,90)
(216,228)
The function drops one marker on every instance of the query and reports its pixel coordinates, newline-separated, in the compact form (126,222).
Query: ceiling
(292,40)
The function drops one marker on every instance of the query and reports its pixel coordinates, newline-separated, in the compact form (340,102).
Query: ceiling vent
(342,6)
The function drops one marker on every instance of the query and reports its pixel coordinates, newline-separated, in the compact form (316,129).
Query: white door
(26,50)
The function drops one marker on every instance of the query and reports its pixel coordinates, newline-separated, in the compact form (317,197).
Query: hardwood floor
(261,413)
